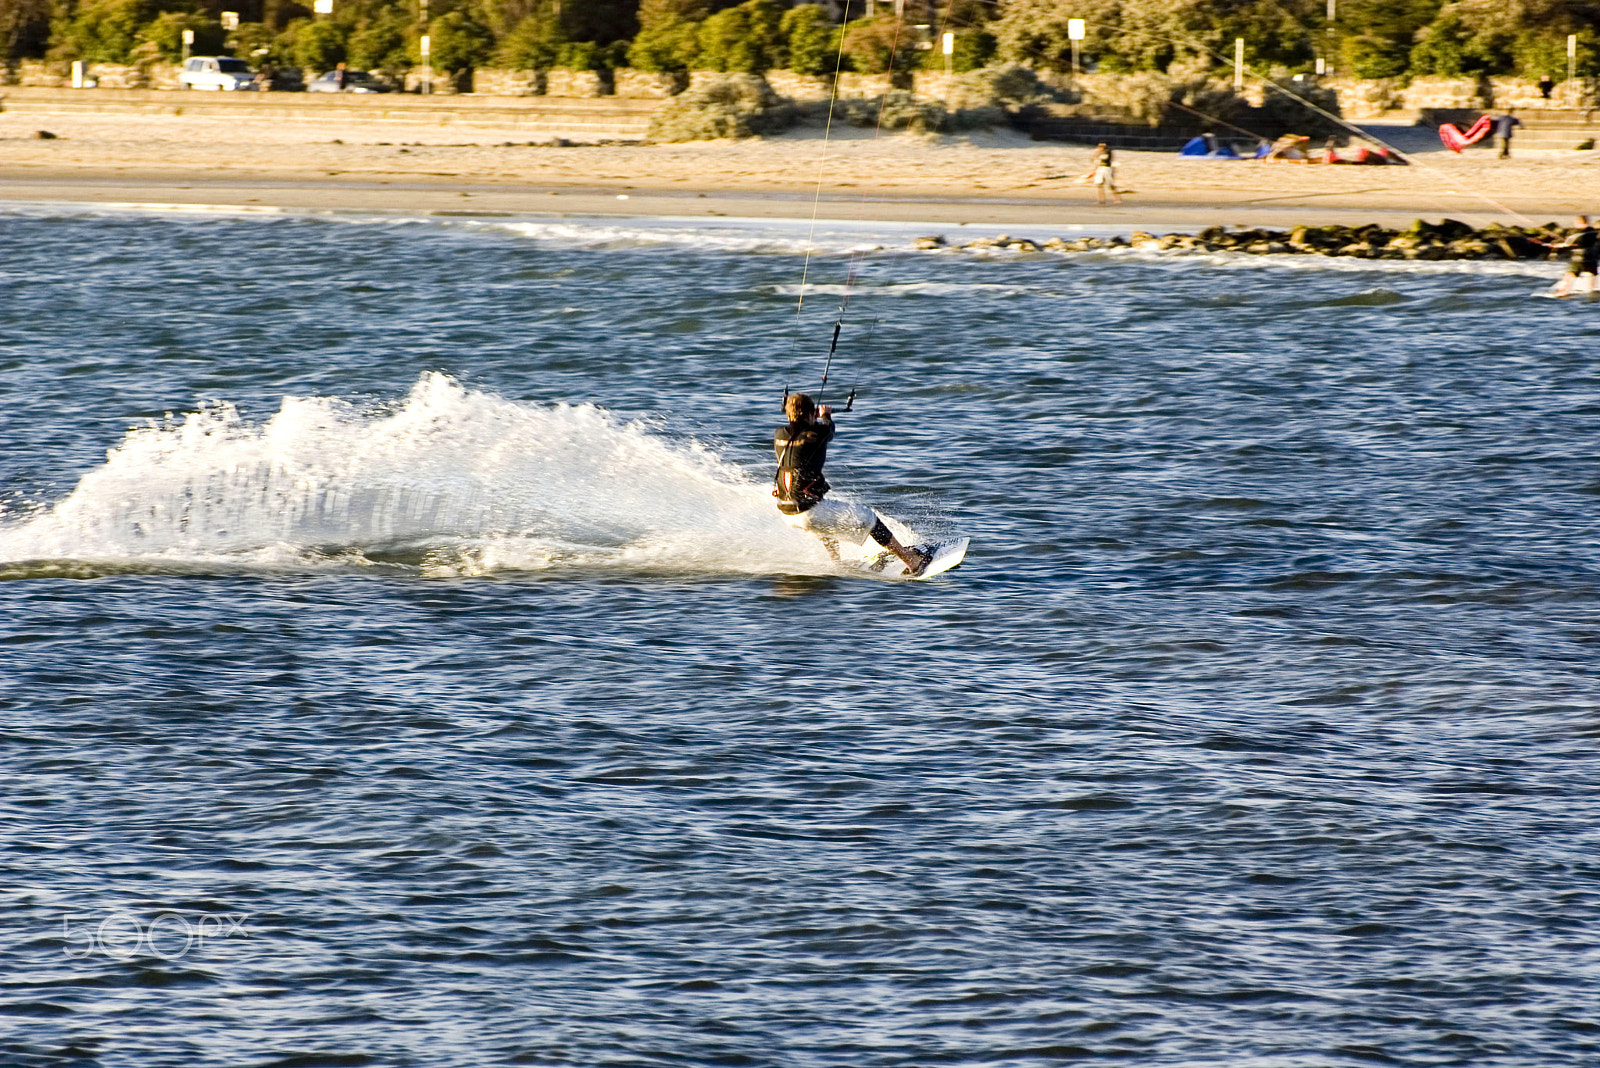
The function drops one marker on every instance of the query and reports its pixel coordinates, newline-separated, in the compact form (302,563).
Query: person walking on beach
(1103,175)
(1503,127)
(802,448)
(1585,259)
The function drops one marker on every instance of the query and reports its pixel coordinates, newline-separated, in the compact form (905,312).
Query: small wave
(906,289)
(448,482)
(1368,298)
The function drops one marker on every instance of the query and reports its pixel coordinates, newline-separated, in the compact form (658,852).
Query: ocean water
(401,662)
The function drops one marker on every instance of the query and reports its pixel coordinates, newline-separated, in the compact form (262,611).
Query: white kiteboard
(946,555)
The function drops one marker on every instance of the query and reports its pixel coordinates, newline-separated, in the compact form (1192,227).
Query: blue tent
(1204,147)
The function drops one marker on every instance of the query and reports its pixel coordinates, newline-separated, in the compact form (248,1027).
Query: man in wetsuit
(1585,246)
(802,448)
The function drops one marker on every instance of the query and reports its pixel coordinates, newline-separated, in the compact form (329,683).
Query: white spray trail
(451,480)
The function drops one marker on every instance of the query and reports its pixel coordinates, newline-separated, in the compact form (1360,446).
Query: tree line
(1364,38)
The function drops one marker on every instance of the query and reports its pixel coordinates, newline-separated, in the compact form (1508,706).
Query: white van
(217,73)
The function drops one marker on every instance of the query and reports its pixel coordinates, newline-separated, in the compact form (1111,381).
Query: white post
(1322,65)
(1333,10)
(1076,30)
(427,68)
(949,54)
(1572,57)
(78,67)
(188,43)
(1238,62)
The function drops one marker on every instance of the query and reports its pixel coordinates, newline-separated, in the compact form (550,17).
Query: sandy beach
(999,178)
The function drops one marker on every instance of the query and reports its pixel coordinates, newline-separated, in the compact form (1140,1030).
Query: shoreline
(411,195)
(997,178)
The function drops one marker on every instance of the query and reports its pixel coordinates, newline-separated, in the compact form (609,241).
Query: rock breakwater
(1446,240)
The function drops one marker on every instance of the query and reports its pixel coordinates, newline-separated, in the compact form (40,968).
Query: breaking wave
(449,481)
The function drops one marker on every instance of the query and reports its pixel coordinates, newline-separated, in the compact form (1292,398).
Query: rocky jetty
(1447,240)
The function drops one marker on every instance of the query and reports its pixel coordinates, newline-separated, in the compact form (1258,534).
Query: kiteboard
(946,555)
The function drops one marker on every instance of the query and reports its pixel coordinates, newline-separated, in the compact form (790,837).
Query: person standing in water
(1104,175)
(802,448)
(1585,246)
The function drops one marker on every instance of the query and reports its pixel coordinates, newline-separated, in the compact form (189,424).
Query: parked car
(355,81)
(216,73)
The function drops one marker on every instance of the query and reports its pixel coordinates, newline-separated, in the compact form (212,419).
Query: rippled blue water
(493,719)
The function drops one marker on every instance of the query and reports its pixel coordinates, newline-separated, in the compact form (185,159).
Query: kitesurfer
(1585,256)
(802,448)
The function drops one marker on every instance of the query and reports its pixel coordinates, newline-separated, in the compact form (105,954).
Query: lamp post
(1333,13)
(423,46)
(1572,58)
(1076,29)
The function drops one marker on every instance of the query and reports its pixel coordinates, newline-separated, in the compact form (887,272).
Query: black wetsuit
(802,449)
(1585,245)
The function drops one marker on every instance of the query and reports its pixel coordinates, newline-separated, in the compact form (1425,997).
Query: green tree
(315,44)
(535,44)
(747,39)
(810,39)
(878,44)
(669,35)
(1134,35)
(256,42)
(1034,33)
(24,28)
(1443,48)
(1376,37)
(164,35)
(103,31)
(974,49)
(459,42)
(1539,52)
(382,42)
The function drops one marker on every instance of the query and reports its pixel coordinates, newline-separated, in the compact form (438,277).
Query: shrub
(747,39)
(810,39)
(735,105)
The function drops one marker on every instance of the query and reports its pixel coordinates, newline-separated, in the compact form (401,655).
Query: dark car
(354,81)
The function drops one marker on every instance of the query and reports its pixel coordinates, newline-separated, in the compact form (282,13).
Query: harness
(801,451)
